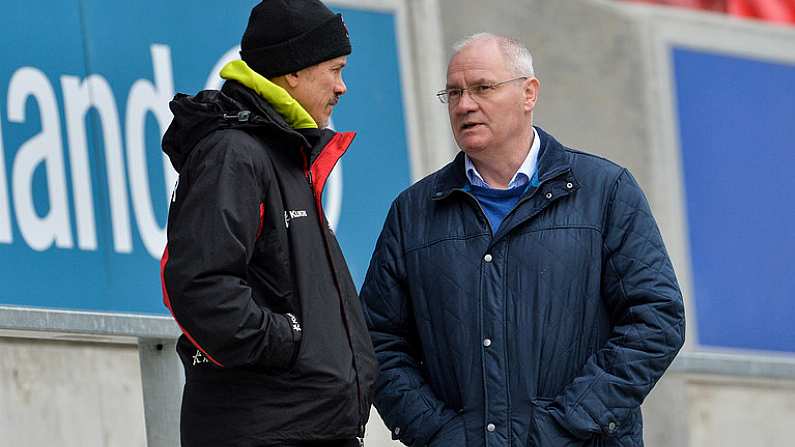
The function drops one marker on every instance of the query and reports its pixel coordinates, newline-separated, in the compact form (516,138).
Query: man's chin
(472,145)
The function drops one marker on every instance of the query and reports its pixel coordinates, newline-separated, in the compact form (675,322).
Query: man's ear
(531,88)
(292,79)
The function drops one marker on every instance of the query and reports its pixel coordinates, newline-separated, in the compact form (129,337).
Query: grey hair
(520,61)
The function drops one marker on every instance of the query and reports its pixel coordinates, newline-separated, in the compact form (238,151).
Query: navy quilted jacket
(550,332)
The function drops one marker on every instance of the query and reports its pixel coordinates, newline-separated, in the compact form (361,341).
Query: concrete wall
(715,410)
(70,394)
(730,412)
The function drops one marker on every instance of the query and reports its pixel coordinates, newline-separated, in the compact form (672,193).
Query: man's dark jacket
(548,333)
(274,343)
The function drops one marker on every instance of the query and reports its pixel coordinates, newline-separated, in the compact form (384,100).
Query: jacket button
(611,427)
(397,431)
(548,195)
(570,185)
(487,342)
(491,427)
(488,257)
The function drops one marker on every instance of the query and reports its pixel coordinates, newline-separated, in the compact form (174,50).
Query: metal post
(162,379)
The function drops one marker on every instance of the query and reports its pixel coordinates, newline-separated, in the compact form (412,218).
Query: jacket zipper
(521,201)
(322,222)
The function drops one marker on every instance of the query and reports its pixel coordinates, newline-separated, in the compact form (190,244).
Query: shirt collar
(520,178)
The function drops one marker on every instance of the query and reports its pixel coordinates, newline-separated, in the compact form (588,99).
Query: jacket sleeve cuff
(284,340)
(297,333)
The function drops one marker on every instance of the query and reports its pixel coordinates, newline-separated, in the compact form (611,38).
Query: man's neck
(498,166)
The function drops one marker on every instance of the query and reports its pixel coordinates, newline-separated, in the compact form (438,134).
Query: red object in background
(778,11)
(707,5)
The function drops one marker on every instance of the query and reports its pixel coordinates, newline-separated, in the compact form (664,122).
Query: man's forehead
(471,77)
(475,73)
(477,60)
(340,60)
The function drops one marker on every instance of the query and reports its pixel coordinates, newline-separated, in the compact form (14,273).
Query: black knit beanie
(284,36)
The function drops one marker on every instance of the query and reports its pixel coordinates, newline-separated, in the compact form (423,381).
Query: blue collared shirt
(520,178)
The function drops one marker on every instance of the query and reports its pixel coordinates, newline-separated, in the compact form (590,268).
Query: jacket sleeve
(403,398)
(641,293)
(213,225)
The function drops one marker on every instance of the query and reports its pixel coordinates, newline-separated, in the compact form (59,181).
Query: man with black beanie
(275,348)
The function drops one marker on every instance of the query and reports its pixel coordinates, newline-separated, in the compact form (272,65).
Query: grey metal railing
(745,365)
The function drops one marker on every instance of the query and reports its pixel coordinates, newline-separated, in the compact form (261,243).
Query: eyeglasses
(453,95)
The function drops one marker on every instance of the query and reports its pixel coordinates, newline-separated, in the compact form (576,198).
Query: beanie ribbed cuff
(327,41)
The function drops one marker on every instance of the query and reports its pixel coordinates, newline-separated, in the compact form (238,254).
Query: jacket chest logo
(292,215)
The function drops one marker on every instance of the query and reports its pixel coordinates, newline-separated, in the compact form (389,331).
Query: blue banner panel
(737,139)
(84,187)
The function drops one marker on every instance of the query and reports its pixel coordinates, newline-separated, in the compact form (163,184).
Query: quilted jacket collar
(553,160)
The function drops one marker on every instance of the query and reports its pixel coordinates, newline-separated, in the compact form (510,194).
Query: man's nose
(340,88)
(466,102)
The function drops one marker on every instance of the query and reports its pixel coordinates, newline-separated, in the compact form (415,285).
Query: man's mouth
(467,126)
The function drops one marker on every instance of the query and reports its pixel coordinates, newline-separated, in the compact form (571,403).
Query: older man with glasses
(522,294)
